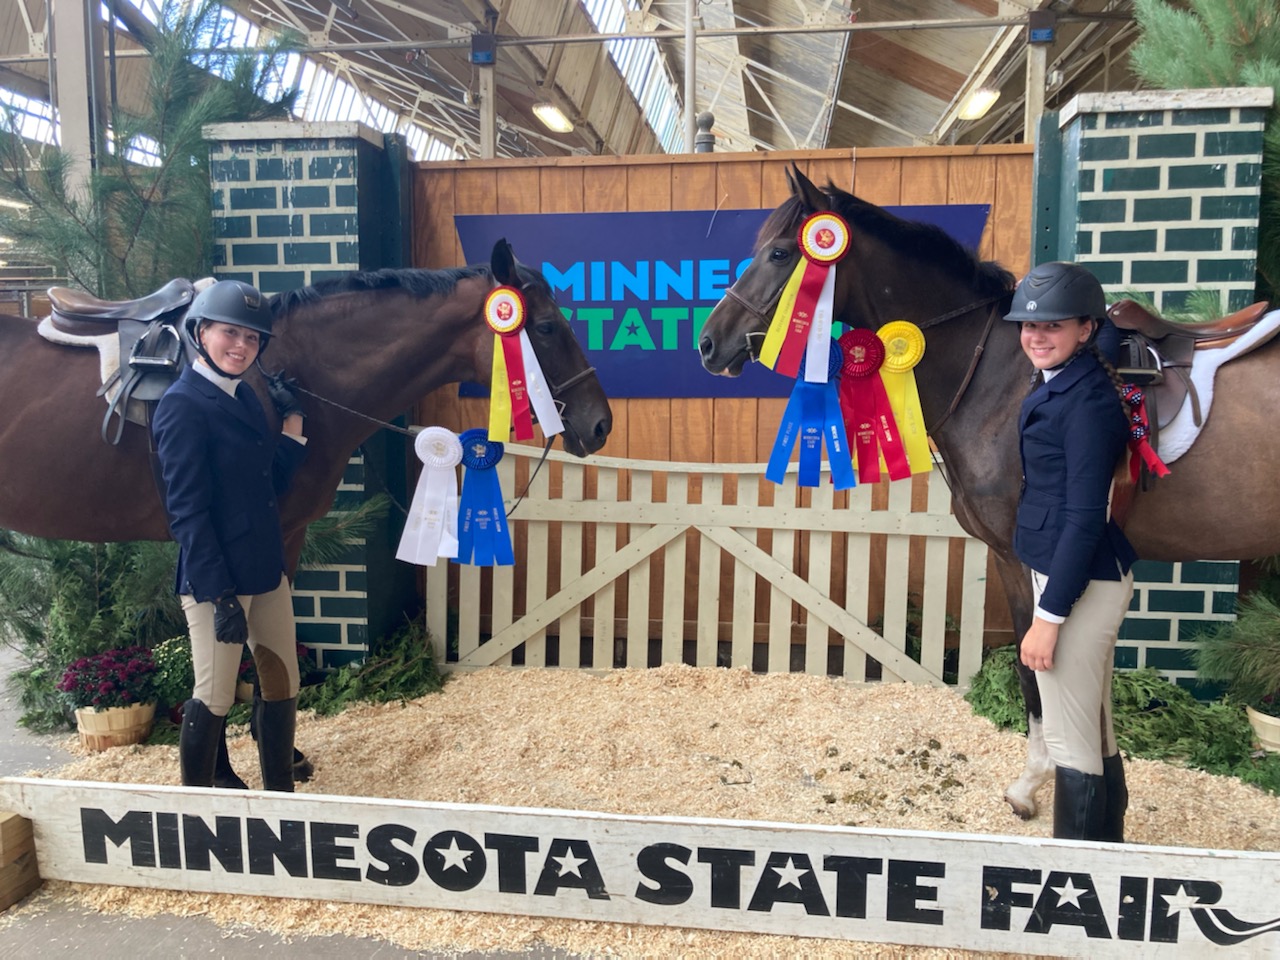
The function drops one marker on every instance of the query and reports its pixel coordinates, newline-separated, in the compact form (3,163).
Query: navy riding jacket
(223,474)
(1072,432)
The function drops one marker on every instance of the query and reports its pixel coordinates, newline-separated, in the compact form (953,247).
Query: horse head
(735,329)
(584,406)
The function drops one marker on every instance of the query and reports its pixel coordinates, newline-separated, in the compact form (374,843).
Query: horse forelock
(415,282)
(917,241)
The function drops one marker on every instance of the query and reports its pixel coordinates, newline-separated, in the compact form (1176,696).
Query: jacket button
(271,503)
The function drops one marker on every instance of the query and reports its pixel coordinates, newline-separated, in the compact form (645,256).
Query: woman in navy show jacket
(1073,433)
(223,473)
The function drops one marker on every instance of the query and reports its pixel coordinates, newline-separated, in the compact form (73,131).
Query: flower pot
(1267,729)
(101,729)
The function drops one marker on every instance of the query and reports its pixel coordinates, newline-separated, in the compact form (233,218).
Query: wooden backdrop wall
(715,430)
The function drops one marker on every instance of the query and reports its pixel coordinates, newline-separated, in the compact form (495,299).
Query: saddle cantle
(80,307)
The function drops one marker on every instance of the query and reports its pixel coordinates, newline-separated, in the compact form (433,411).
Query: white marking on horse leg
(1021,795)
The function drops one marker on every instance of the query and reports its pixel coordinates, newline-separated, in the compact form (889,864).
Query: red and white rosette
(868,417)
(431,529)
(518,388)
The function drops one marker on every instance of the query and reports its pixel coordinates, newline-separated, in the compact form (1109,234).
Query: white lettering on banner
(974,892)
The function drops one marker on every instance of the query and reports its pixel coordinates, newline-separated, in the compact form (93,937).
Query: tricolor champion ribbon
(431,529)
(484,539)
(812,417)
(801,324)
(1139,430)
(903,349)
(868,417)
(518,388)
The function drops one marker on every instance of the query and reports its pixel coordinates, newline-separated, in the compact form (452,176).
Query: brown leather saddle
(1156,354)
(152,349)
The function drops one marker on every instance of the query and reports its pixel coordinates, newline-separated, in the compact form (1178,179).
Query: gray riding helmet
(234,302)
(1058,291)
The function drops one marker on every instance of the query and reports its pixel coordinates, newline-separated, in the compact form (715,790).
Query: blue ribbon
(484,539)
(812,417)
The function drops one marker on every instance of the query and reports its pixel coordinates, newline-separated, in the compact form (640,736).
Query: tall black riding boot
(276,722)
(1117,799)
(224,775)
(303,769)
(198,744)
(1079,805)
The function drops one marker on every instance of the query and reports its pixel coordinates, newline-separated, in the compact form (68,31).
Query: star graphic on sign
(1069,894)
(633,327)
(569,864)
(454,856)
(1181,901)
(790,874)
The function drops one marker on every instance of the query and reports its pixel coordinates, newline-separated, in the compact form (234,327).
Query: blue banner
(637,287)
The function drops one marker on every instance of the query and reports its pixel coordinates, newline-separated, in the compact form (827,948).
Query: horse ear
(503,264)
(803,189)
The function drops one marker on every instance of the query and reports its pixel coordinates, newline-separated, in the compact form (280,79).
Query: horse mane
(917,241)
(416,282)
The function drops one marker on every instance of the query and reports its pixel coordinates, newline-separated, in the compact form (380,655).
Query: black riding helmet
(228,301)
(1058,291)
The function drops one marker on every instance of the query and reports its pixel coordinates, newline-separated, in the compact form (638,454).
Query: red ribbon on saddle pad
(868,416)
(1139,430)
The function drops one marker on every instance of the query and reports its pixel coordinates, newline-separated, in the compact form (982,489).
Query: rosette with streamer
(903,349)
(812,417)
(431,529)
(484,539)
(518,388)
(868,417)
(1140,449)
(801,324)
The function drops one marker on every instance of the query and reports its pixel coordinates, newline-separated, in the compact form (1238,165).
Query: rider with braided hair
(1073,432)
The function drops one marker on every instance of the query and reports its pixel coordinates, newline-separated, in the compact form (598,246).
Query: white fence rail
(637,563)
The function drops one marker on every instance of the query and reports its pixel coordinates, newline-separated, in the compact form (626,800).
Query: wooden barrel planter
(114,726)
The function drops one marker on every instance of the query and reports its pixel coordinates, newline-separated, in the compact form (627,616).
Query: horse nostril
(705,346)
(602,429)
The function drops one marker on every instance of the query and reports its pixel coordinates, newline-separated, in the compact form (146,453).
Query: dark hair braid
(1116,380)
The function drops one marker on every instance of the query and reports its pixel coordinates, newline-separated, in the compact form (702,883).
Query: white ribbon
(540,398)
(817,351)
(431,529)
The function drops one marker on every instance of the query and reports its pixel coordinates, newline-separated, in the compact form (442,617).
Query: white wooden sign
(975,892)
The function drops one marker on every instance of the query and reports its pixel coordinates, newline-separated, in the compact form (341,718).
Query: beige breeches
(272,641)
(1076,694)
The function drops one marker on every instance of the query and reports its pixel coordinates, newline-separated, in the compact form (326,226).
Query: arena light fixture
(978,103)
(552,117)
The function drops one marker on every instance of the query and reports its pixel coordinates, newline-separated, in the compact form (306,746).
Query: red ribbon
(797,335)
(868,417)
(1139,430)
(521,419)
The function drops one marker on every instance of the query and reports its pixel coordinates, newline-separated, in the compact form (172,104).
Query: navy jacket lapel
(1070,375)
(223,400)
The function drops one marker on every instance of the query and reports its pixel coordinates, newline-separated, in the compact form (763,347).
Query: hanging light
(552,117)
(976,104)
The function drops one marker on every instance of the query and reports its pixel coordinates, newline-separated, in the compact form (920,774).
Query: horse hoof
(1023,811)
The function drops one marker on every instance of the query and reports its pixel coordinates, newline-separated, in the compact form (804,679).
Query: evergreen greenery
(1222,43)
(136,225)
(1154,719)
(398,668)
(1245,653)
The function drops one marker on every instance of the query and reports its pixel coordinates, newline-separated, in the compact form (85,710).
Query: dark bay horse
(1219,502)
(374,342)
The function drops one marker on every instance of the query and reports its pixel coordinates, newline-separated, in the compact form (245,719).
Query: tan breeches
(272,641)
(1076,694)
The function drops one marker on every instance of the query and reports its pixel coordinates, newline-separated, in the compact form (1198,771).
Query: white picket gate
(635,563)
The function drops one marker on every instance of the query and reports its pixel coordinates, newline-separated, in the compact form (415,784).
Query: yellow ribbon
(904,348)
(781,318)
(499,396)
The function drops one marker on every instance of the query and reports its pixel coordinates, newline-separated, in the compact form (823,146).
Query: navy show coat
(1072,432)
(223,474)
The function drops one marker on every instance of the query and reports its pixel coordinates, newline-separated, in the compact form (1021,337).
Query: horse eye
(545,328)
(779,254)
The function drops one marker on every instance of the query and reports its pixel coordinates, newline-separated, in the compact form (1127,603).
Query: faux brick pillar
(296,203)
(1158,192)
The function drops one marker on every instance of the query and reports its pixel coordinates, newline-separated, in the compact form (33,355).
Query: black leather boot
(303,769)
(198,744)
(224,775)
(1117,799)
(276,722)
(1079,805)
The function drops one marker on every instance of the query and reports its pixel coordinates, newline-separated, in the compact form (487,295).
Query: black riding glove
(281,390)
(229,623)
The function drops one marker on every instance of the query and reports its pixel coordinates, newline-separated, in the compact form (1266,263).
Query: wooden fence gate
(635,563)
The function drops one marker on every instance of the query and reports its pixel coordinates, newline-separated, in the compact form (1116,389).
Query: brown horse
(372,342)
(1219,503)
